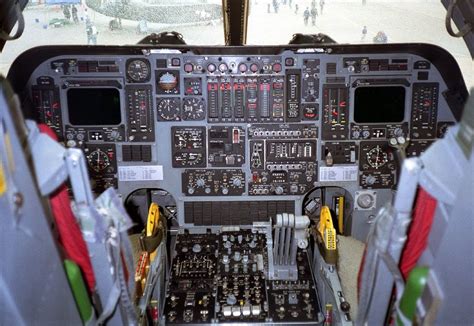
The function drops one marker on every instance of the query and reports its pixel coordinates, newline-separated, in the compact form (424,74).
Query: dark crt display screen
(379,104)
(93,106)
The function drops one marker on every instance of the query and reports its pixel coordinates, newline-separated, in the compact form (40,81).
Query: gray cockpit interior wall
(33,284)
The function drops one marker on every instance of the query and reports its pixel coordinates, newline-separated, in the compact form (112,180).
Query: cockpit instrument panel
(246,126)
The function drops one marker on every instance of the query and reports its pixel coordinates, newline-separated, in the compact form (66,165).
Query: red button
(211,67)
(175,62)
(276,67)
(188,67)
(254,67)
(289,62)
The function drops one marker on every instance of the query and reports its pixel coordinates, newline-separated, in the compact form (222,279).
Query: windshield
(118,22)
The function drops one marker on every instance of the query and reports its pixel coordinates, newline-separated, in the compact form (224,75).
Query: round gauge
(168,109)
(167,81)
(98,160)
(377,157)
(193,109)
(138,70)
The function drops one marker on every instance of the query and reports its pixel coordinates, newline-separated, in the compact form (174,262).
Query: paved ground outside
(402,21)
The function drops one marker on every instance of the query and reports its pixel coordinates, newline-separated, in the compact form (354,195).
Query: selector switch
(279,190)
(231,299)
(197,248)
(370,179)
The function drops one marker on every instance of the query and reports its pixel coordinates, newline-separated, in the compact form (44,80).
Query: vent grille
(335,80)
(331,68)
(234,212)
(97,66)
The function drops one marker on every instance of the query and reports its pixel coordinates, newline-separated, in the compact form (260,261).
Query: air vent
(234,212)
(378,65)
(136,153)
(335,80)
(400,61)
(331,68)
(97,66)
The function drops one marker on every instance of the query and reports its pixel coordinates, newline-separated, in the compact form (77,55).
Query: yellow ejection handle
(152,224)
(326,229)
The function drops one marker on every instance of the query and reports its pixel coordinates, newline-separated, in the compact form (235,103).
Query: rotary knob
(114,135)
(225,191)
(370,180)
(236,182)
(231,299)
(197,248)
(279,190)
(398,132)
(200,182)
(71,143)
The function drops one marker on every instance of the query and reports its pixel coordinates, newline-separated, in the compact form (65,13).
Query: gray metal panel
(161,147)
(34,289)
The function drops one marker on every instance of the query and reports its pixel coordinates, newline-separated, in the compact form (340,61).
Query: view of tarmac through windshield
(111,22)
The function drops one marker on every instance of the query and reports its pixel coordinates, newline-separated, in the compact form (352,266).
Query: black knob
(345,306)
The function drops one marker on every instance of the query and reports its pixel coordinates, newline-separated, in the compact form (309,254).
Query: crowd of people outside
(309,11)
(71,12)
(313,10)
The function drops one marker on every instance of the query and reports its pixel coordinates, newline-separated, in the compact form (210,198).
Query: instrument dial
(168,82)
(377,157)
(193,109)
(168,109)
(138,70)
(98,160)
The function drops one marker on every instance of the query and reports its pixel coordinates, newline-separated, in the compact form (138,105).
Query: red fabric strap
(419,231)
(70,235)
